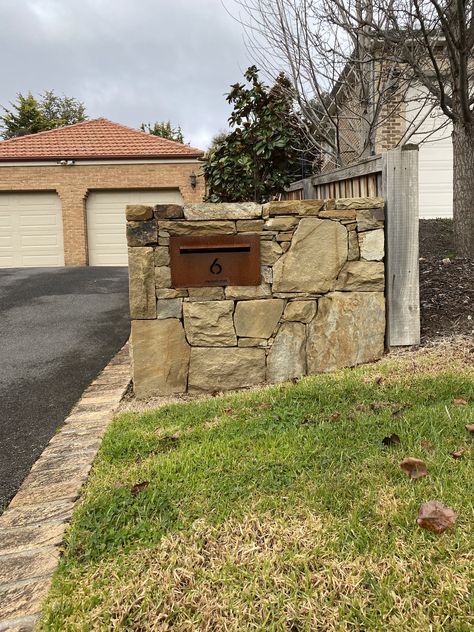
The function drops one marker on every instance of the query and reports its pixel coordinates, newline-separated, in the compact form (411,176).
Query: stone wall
(320,303)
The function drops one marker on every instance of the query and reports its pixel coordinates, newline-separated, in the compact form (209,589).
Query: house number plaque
(210,261)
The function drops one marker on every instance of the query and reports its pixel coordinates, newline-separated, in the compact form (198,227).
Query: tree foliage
(164,129)
(29,115)
(263,151)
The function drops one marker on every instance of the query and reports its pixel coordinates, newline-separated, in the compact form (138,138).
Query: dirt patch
(446,283)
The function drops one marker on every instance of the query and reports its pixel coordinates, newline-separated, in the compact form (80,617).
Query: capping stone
(293,207)
(348,329)
(160,357)
(213,370)
(209,323)
(362,202)
(287,357)
(316,255)
(224,210)
(138,212)
(168,211)
(361,276)
(258,319)
(141,280)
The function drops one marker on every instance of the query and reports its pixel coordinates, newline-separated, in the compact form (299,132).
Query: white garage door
(106,222)
(435,160)
(31,230)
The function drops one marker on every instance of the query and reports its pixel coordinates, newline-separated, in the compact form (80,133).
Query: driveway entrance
(59,327)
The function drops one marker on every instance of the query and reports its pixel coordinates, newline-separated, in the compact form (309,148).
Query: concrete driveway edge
(32,527)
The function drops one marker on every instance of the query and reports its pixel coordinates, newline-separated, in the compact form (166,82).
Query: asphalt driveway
(58,328)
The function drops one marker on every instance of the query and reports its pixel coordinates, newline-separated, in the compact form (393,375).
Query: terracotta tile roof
(96,139)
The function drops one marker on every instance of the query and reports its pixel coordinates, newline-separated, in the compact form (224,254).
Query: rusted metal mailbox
(215,260)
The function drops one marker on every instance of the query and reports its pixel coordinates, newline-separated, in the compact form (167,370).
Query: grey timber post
(402,289)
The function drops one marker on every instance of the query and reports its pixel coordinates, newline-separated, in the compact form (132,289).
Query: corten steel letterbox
(215,260)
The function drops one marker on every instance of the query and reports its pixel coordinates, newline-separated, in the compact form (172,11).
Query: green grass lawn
(281,509)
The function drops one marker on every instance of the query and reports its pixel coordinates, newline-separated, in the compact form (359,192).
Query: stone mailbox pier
(315,304)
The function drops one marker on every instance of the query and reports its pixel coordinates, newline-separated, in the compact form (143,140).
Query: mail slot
(215,260)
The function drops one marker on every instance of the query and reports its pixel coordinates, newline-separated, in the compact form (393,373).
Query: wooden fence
(392,175)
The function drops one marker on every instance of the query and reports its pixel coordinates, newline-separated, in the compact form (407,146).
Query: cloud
(131,61)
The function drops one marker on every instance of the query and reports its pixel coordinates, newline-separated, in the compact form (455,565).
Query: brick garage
(63,192)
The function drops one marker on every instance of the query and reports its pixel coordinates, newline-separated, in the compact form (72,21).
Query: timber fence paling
(392,175)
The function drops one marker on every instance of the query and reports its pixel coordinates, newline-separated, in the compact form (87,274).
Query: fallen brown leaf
(392,439)
(457,455)
(436,517)
(469,427)
(459,401)
(379,380)
(139,487)
(334,416)
(415,468)
(426,444)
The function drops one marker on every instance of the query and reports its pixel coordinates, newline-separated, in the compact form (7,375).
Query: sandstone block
(213,370)
(338,214)
(293,207)
(302,311)
(361,276)
(270,252)
(257,319)
(138,212)
(249,225)
(168,211)
(162,277)
(210,323)
(316,255)
(287,357)
(141,283)
(368,219)
(169,308)
(284,237)
(171,293)
(141,233)
(329,204)
(371,245)
(361,202)
(161,255)
(206,293)
(353,246)
(285,245)
(267,274)
(247,292)
(348,329)
(252,342)
(224,210)
(181,227)
(281,223)
(160,357)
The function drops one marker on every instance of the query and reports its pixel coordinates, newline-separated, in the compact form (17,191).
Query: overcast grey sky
(131,61)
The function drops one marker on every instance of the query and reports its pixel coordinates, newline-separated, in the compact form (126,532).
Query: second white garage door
(106,221)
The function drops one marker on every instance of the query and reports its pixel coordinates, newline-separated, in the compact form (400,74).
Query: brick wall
(73,183)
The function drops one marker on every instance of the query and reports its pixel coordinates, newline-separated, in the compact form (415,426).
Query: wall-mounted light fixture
(193,178)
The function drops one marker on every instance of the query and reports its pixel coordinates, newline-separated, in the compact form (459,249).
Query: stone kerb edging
(33,526)
(320,304)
